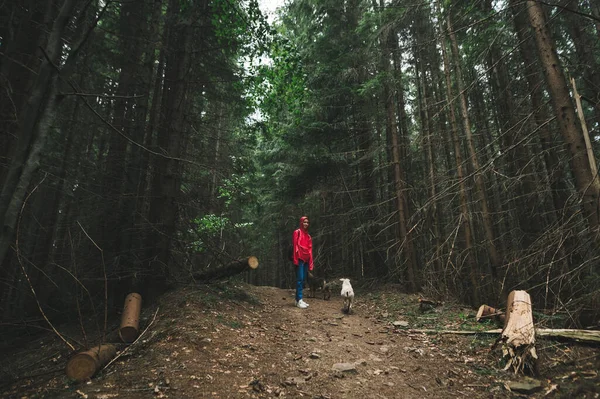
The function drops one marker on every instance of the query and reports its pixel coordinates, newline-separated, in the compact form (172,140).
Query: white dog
(348,294)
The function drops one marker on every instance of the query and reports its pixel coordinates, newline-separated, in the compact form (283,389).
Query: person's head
(304,223)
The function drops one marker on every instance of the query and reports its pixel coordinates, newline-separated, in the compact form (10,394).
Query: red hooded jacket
(303,245)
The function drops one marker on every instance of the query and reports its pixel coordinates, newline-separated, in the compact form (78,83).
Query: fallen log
(130,320)
(587,336)
(454,332)
(233,268)
(486,312)
(577,335)
(85,364)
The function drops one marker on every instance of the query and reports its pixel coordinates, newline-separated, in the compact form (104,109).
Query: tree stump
(518,335)
(84,365)
(233,268)
(130,320)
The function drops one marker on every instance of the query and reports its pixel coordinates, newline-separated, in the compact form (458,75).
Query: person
(303,258)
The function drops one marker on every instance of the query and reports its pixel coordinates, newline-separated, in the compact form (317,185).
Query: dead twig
(105,282)
(20,259)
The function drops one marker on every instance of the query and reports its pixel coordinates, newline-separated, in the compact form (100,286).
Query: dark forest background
(448,146)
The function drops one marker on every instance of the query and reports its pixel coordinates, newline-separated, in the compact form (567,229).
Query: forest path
(234,340)
(256,343)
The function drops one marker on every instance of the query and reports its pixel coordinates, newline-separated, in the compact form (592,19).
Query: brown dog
(316,283)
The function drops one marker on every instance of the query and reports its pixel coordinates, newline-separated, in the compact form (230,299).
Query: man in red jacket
(303,258)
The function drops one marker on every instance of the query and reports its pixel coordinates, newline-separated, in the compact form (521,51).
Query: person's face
(305,223)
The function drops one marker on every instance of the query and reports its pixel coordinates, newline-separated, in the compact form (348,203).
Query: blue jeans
(301,273)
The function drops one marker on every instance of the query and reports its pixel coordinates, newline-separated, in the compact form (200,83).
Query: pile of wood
(84,364)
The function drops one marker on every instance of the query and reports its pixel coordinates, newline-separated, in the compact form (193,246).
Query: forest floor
(233,340)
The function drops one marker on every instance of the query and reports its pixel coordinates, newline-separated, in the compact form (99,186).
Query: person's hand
(311,267)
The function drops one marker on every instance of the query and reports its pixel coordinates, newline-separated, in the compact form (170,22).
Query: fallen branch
(590,336)
(20,260)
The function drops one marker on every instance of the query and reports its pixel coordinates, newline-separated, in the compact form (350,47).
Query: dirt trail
(384,364)
(241,341)
(265,347)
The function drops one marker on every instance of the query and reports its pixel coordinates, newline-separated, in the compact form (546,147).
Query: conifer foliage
(446,146)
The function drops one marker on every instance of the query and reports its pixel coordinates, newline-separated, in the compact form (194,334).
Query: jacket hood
(302,219)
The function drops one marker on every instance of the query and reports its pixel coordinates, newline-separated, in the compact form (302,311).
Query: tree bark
(586,180)
(84,365)
(233,268)
(34,121)
(595,5)
(168,170)
(465,218)
(424,101)
(22,33)
(587,69)
(130,319)
(479,182)
(118,161)
(399,181)
(558,187)
(523,196)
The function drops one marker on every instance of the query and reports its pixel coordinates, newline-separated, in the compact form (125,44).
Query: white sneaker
(301,304)
(304,303)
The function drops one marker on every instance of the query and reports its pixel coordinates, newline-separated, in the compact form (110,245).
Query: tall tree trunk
(127,108)
(21,36)
(595,5)
(465,216)
(168,169)
(479,182)
(588,69)
(489,148)
(364,144)
(519,168)
(586,180)
(558,187)
(157,77)
(402,133)
(399,181)
(422,62)
(34,122)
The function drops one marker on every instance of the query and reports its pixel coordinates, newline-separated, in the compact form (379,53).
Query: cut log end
(128,334)
(487,312)
(253,262)
(84,365)
(81,367)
